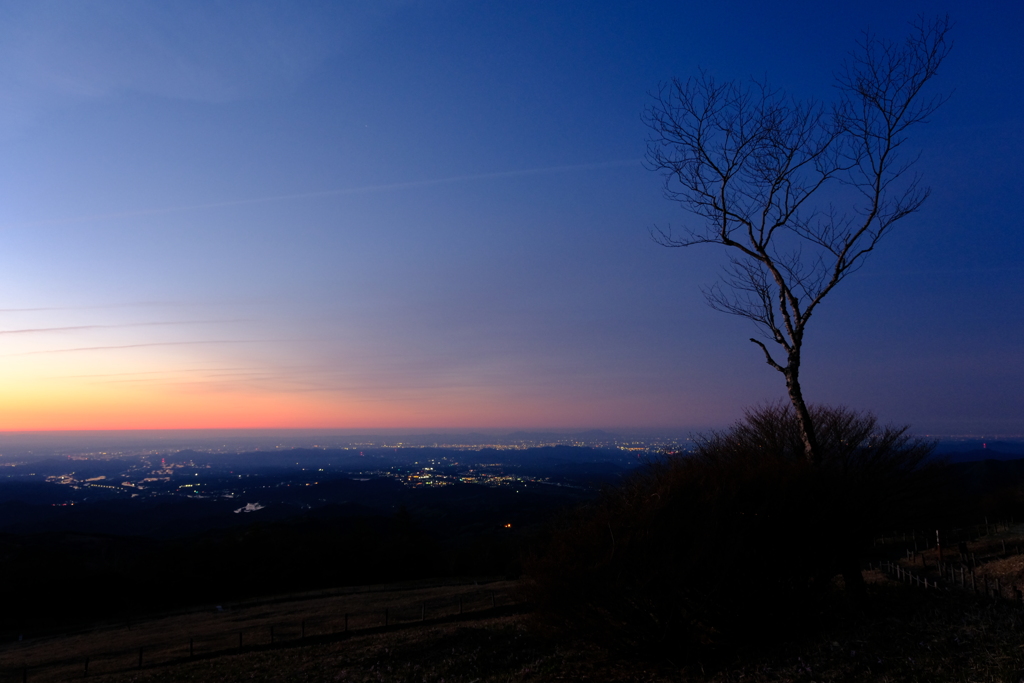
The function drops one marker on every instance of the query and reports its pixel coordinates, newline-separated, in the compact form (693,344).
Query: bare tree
(799,191)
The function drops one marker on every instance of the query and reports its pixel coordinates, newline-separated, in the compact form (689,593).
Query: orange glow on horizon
(144,407)
(123,393)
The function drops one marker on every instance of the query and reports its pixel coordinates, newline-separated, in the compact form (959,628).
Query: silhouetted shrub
(740,539)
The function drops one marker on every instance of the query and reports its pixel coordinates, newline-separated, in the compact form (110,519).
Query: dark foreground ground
(904,634)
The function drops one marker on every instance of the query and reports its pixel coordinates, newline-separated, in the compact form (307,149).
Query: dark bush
(739,540)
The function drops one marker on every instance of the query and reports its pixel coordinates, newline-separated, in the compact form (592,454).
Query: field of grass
(317,617)
(901,633)
(905,635)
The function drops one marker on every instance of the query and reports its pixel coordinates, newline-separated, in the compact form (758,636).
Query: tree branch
(768,356)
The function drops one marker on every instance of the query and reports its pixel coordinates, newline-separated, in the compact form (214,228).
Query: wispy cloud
(142,373)
(129,304)
(76,328)
(137,346)
(335,192)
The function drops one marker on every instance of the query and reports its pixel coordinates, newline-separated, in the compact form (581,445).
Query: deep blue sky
(406,214)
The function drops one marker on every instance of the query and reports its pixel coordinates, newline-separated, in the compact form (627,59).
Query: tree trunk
(803,416)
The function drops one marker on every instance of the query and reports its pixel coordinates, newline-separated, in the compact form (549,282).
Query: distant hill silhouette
(984,476)
(981,454)
(979,449)
(588,435)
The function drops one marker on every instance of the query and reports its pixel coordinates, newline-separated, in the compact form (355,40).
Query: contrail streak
(131,304)
(136,346)
(336,192)
(107,327)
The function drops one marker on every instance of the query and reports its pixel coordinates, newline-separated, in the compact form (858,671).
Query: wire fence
(956,578)
(954,565)
(919,540)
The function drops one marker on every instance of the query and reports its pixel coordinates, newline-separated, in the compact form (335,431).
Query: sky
(413,214)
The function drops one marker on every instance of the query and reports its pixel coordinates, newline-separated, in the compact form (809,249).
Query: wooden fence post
(271,634)
(140,657)
(303,629)
(460,605)
(423,611)
(346,622)
(191,651)
(385,618)
(86,672)
(239,640)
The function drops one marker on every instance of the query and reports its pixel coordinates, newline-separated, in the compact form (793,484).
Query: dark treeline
(992,487)
(322,518)
(56,579)
(743,541)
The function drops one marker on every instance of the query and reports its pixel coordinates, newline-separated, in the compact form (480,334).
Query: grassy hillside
(903,634)
(254,627)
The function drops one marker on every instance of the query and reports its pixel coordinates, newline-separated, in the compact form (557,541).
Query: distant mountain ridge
(979,449)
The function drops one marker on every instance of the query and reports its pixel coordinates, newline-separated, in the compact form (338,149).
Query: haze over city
(436,216)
